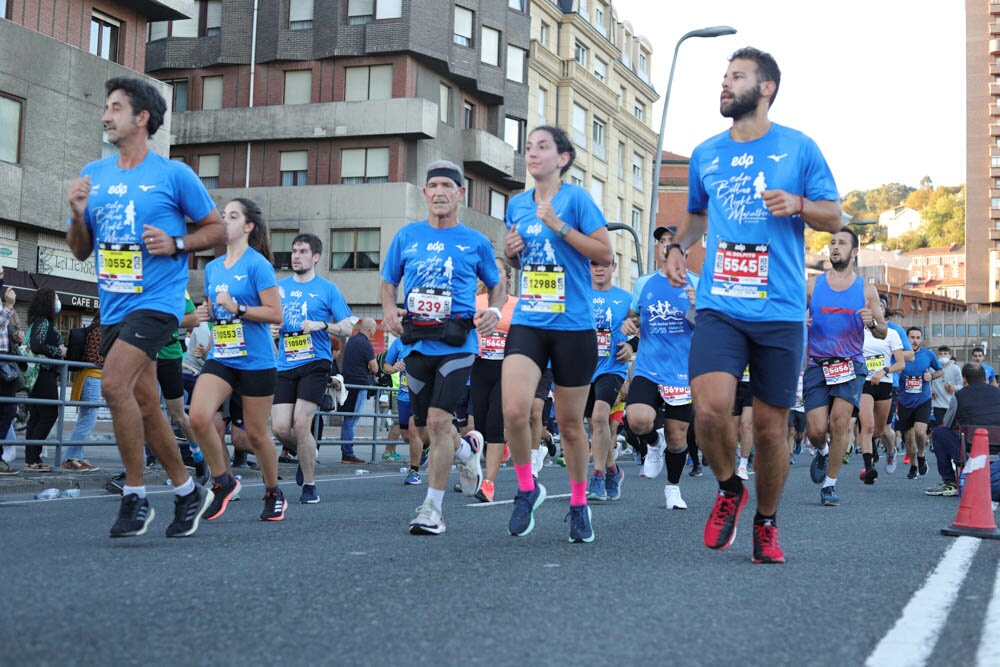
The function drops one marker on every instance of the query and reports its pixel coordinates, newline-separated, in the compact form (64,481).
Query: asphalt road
(344,583)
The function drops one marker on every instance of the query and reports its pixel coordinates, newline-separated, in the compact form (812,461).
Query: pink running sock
(577,493)
(525,480)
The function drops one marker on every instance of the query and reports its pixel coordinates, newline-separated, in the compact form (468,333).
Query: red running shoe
(720,529)
(765,544)
(906,460)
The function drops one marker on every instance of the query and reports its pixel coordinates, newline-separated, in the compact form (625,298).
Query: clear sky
(879,84)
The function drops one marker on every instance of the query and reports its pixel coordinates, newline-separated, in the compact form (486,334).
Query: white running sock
(829,481)
(185,488)
(825,451)
(464,451)
(137,490)
(436,496)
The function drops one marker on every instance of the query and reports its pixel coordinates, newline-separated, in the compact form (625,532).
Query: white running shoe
(470,471)
(672,493)
(890,463)
(741,472)
(653,465)
(428,520)
(538,459)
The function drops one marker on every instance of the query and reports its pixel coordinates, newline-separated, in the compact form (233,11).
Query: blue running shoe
(309,495)
(596,489)
(423,455)
(522,520)
(613,484)
(412,478)
(299,479)
(817,468)
(580,529)
(828,496)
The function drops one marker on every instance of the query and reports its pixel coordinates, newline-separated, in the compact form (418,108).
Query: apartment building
(326,113)
(54,59)
(982,204)
(589,73)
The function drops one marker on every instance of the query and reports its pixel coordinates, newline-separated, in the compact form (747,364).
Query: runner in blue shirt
(242,299)
(752,189)
(312,308)
(553,229)
(841,306)
(660,391)
(129,210)
(979,356)
(439,261)
(914,411)
(394,363)
(610,305)
(889,432)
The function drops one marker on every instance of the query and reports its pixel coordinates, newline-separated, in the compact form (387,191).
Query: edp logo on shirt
(744,160)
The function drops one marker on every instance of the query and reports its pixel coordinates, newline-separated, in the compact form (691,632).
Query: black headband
(447,172)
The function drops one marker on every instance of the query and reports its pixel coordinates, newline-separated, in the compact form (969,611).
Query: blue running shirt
(157,192)
(836,330)
(318,300)
(913,390)
(664,331)
(555,277)
(440,267)
(240,343)
(755,263)
(610,310)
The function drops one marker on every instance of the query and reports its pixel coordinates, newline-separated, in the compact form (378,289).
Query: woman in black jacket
(46,341)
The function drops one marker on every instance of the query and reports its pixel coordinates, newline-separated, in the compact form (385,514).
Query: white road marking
(989,640)
(911,640)
(511,501)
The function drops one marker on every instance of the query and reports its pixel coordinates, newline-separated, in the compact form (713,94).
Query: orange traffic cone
(975,511)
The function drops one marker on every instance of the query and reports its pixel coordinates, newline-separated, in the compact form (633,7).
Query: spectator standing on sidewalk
(7,389)
(359,369)
(86,387)
(44,340)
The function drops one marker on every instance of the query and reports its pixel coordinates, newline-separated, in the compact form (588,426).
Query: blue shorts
(816,393)
(773,349)
(404,414)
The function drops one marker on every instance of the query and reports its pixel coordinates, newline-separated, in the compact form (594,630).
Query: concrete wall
(63,92)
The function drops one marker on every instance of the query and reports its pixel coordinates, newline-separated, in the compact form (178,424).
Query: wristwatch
(564,230)
(178,245)
(241,309)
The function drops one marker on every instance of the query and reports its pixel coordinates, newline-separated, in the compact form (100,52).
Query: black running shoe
(134,517)
(221,495)
(188,510)
(274,506)
(116,484)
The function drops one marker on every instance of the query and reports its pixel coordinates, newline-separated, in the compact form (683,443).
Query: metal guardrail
(60,440)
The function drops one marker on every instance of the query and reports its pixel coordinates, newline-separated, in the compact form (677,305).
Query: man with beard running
(753,188)
(914,411)
(841,305)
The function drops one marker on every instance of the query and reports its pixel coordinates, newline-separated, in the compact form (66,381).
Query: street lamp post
(714,31)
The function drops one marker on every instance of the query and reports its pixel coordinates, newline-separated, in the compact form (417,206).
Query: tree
(907,241)
(886,197)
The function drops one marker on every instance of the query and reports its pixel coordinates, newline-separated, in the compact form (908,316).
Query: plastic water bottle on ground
(359,473)
(71,493)
(47,494)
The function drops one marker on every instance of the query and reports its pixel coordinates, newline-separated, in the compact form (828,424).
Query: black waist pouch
(452,331)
